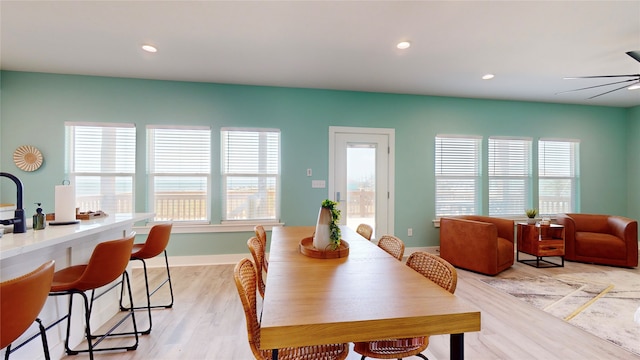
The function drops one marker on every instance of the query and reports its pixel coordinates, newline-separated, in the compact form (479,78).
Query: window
(179,168)
(101,163)
(251,174)
(558,175)
(457,175)
(509,176)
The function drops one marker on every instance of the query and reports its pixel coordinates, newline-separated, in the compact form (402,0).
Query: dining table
(366,295)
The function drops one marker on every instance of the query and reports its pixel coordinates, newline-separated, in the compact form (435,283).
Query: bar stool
(156,243)
(108,262)
(22,299)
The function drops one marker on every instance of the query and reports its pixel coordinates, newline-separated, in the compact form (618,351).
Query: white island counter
(67,245)
(20,253)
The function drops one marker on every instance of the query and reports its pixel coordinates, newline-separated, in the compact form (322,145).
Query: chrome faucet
(19,221)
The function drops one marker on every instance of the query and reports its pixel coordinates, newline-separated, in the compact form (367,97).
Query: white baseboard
(224,259)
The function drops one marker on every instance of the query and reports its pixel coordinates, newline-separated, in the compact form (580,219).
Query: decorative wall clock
(27,158)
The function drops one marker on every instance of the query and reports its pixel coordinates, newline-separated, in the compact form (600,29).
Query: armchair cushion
(478,243)
(600,239)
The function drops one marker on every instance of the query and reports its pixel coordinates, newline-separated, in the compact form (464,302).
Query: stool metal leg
(45,343)
(43,335)
(88,305)
(148,307)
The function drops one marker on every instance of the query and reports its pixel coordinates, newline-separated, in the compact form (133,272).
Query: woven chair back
(257,252)
(435,269)
(392,245)
(365,231)
(262,235)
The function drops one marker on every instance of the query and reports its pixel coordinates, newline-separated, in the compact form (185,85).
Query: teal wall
(34,107)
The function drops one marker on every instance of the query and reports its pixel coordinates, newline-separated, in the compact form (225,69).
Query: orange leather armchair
(478,243)
(600,239)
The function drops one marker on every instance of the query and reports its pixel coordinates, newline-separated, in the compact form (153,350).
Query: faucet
(19,221)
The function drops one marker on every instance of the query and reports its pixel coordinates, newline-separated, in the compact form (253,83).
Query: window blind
(101,162)
(558,175)
(251,173)
(179,168)
(457,172)
(510,176)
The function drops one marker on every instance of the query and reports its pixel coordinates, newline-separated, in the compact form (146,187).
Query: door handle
(338,196)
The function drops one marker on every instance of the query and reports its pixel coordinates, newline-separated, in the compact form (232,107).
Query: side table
(540,241)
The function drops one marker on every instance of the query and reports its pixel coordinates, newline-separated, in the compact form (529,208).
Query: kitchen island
(67,245)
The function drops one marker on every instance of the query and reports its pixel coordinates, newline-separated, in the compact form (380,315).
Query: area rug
(603,304)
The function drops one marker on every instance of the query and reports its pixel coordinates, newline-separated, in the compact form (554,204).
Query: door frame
(391,134)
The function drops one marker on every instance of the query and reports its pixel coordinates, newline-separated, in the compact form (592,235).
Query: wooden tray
(306,248)
(90,215)
(80,216)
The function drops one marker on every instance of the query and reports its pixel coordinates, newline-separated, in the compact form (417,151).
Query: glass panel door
(361,176)
(361,185)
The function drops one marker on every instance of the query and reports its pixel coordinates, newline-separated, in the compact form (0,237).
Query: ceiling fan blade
(597,86)
(634,54)
(600,76)
(610,91)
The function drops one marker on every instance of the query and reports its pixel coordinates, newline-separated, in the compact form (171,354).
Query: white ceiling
(346,45)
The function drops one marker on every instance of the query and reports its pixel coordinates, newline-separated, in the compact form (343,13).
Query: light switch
(309,172)
(318,184)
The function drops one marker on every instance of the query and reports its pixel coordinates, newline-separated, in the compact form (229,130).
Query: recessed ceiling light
(403,45)
(488,77)
(149,48)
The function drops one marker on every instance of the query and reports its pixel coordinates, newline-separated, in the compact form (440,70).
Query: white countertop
(18,244)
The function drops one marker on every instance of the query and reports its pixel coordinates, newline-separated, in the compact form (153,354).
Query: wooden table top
(367,296)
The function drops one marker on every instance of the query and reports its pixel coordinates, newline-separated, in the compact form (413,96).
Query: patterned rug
(603,304)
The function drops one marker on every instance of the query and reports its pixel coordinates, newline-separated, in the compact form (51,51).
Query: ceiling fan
(631,78)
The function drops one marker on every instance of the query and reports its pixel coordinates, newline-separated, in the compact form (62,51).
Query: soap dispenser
(39,219)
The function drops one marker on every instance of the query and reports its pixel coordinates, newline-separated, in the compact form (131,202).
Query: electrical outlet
(410,232)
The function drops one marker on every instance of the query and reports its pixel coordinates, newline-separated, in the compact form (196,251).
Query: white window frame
(510,175)
(192,159)
(114,147)
(458,175)
(263,173)
(558,160)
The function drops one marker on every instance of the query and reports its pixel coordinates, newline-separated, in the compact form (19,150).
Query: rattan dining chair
(433,268)
(392,245)
(262,235)
(257,252)
(365,231)
(245,277)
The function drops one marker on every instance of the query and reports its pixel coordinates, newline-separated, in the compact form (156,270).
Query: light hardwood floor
(207,322)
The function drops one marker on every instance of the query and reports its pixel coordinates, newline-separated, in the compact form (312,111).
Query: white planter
(322,237)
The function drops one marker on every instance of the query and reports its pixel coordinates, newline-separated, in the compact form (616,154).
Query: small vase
(531,221)
(322,237)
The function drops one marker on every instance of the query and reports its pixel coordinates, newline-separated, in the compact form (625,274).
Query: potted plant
(531,215)
(327,235)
